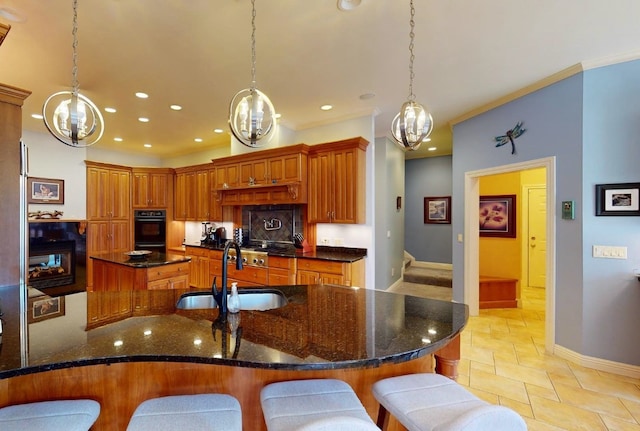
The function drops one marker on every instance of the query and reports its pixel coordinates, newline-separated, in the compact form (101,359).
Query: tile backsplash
(274,224)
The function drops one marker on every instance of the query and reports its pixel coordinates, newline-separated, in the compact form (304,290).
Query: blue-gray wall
(426,177)
(589,122)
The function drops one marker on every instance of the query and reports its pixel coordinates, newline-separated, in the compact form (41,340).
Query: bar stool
(427,402)
(69,415)
(313,405)
(203,412)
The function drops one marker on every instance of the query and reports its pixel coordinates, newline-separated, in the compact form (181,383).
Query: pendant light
(251,113)
(69,116)
(413,123)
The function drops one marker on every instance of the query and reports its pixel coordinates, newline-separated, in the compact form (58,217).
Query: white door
(537,237)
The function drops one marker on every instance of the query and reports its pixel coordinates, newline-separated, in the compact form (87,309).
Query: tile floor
(503,362)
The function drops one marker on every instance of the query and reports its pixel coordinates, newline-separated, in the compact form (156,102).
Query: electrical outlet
(338,241)
(325,241)
(393,271)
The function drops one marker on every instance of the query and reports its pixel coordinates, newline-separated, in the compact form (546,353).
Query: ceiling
(197,54)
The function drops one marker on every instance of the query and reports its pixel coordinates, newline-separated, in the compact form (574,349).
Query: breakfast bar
(164,347)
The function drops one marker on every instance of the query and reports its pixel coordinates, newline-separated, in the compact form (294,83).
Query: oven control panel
(250,257)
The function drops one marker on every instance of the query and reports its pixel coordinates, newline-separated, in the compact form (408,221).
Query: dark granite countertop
(338,254)
(145,261)
(321,327)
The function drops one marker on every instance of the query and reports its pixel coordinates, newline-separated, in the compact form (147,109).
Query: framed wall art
(618,199)
(45,191)
(437,210)
(497,216)
(44,307)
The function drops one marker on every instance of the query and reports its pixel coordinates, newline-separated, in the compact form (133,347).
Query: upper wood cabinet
(337,172)
(108,192)
(194,198)
(151,187)
(185,191)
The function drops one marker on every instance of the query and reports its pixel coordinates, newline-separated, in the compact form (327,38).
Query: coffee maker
(206,233)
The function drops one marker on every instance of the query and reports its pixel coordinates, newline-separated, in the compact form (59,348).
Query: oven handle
(150,244)
(151,219)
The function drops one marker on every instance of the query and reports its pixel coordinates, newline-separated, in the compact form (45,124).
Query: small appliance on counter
(220,236)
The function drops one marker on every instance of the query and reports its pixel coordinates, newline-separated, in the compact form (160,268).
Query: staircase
(426,274)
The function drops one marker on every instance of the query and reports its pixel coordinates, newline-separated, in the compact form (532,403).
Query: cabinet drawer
(167,271)
(251,274)
(196,251)
(320,265)
(180,282)
(280,277)
(282,262)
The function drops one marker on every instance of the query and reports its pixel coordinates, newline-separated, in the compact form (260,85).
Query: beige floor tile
(488,342)
(592,380)
(502,386)
(523,374)
(482,367)
(506,356)
(633,407)
(523,409)
(594,401)
(484,395)
(536,425)
(477,354)
(615,424)
(566,416)
(538,391)
(549,363)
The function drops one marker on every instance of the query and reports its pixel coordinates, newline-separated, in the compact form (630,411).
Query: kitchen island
(358,335)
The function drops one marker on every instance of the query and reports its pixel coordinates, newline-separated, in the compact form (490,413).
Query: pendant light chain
(412,23)
(253,44)
(74,71)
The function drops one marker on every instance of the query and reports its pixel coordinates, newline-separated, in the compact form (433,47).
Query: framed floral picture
(497,216)
(437,210)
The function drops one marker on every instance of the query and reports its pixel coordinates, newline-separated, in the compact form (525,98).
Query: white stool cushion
(432,402)
(316,404)
(203,412)
(68,415)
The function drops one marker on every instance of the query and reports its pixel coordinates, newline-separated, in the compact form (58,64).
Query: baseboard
(432,265)
(397,283)
(597,363)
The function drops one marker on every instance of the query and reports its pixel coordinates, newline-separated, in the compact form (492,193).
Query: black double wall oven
(150,230)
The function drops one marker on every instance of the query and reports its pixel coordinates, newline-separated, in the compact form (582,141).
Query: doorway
(471,229)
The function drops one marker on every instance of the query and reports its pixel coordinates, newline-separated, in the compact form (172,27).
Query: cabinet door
(120,194)
(202,195)
(191,188)
(215,203)
(120,236)
(320,184)
(141,189)
(345,172)
(159,190)
(180,200)
(308,277)
(227,174)
(285,169)
(97,194)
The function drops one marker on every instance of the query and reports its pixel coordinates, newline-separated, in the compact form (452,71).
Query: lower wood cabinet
(199,267)
(319,271)
(282,271)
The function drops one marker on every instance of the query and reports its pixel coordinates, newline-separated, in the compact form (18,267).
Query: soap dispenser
(233,303)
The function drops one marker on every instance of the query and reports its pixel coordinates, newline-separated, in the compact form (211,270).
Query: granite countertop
(339,254)
(364,328)
(146,261)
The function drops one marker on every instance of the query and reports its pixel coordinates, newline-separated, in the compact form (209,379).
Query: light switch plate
(609,252)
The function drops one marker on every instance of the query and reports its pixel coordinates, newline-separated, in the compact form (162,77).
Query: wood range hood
(274,176)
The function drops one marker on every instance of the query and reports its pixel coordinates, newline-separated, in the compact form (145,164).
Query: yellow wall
(501,257)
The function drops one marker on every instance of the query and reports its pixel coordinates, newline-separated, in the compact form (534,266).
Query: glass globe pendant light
(69,116)
(252,117)
(413,123)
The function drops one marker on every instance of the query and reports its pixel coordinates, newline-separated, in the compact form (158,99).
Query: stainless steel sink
(250,299)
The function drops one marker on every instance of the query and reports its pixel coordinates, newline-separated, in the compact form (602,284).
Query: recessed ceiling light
(176,107)
(143,119)
(326,107)
(278,115)
(11,14)
(218,130)
(147,145)
(110,110)
(117,139)
(142,95)
(37,116)
(198,139)
(348,5)
(431,149)
(426,140)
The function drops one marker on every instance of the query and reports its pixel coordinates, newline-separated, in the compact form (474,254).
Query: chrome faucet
(221,296)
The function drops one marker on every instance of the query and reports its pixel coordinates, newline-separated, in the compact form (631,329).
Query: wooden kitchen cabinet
(256,169)
(337,172)
(198,267)
(282,271)
(227,174)
(168,277)
(319,271)
(185,195)
(108,211)
(151,187)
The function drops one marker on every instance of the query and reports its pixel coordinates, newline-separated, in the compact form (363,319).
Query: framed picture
(44,307)
(45,191)
(437,209)
(497,216)
(618,199)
